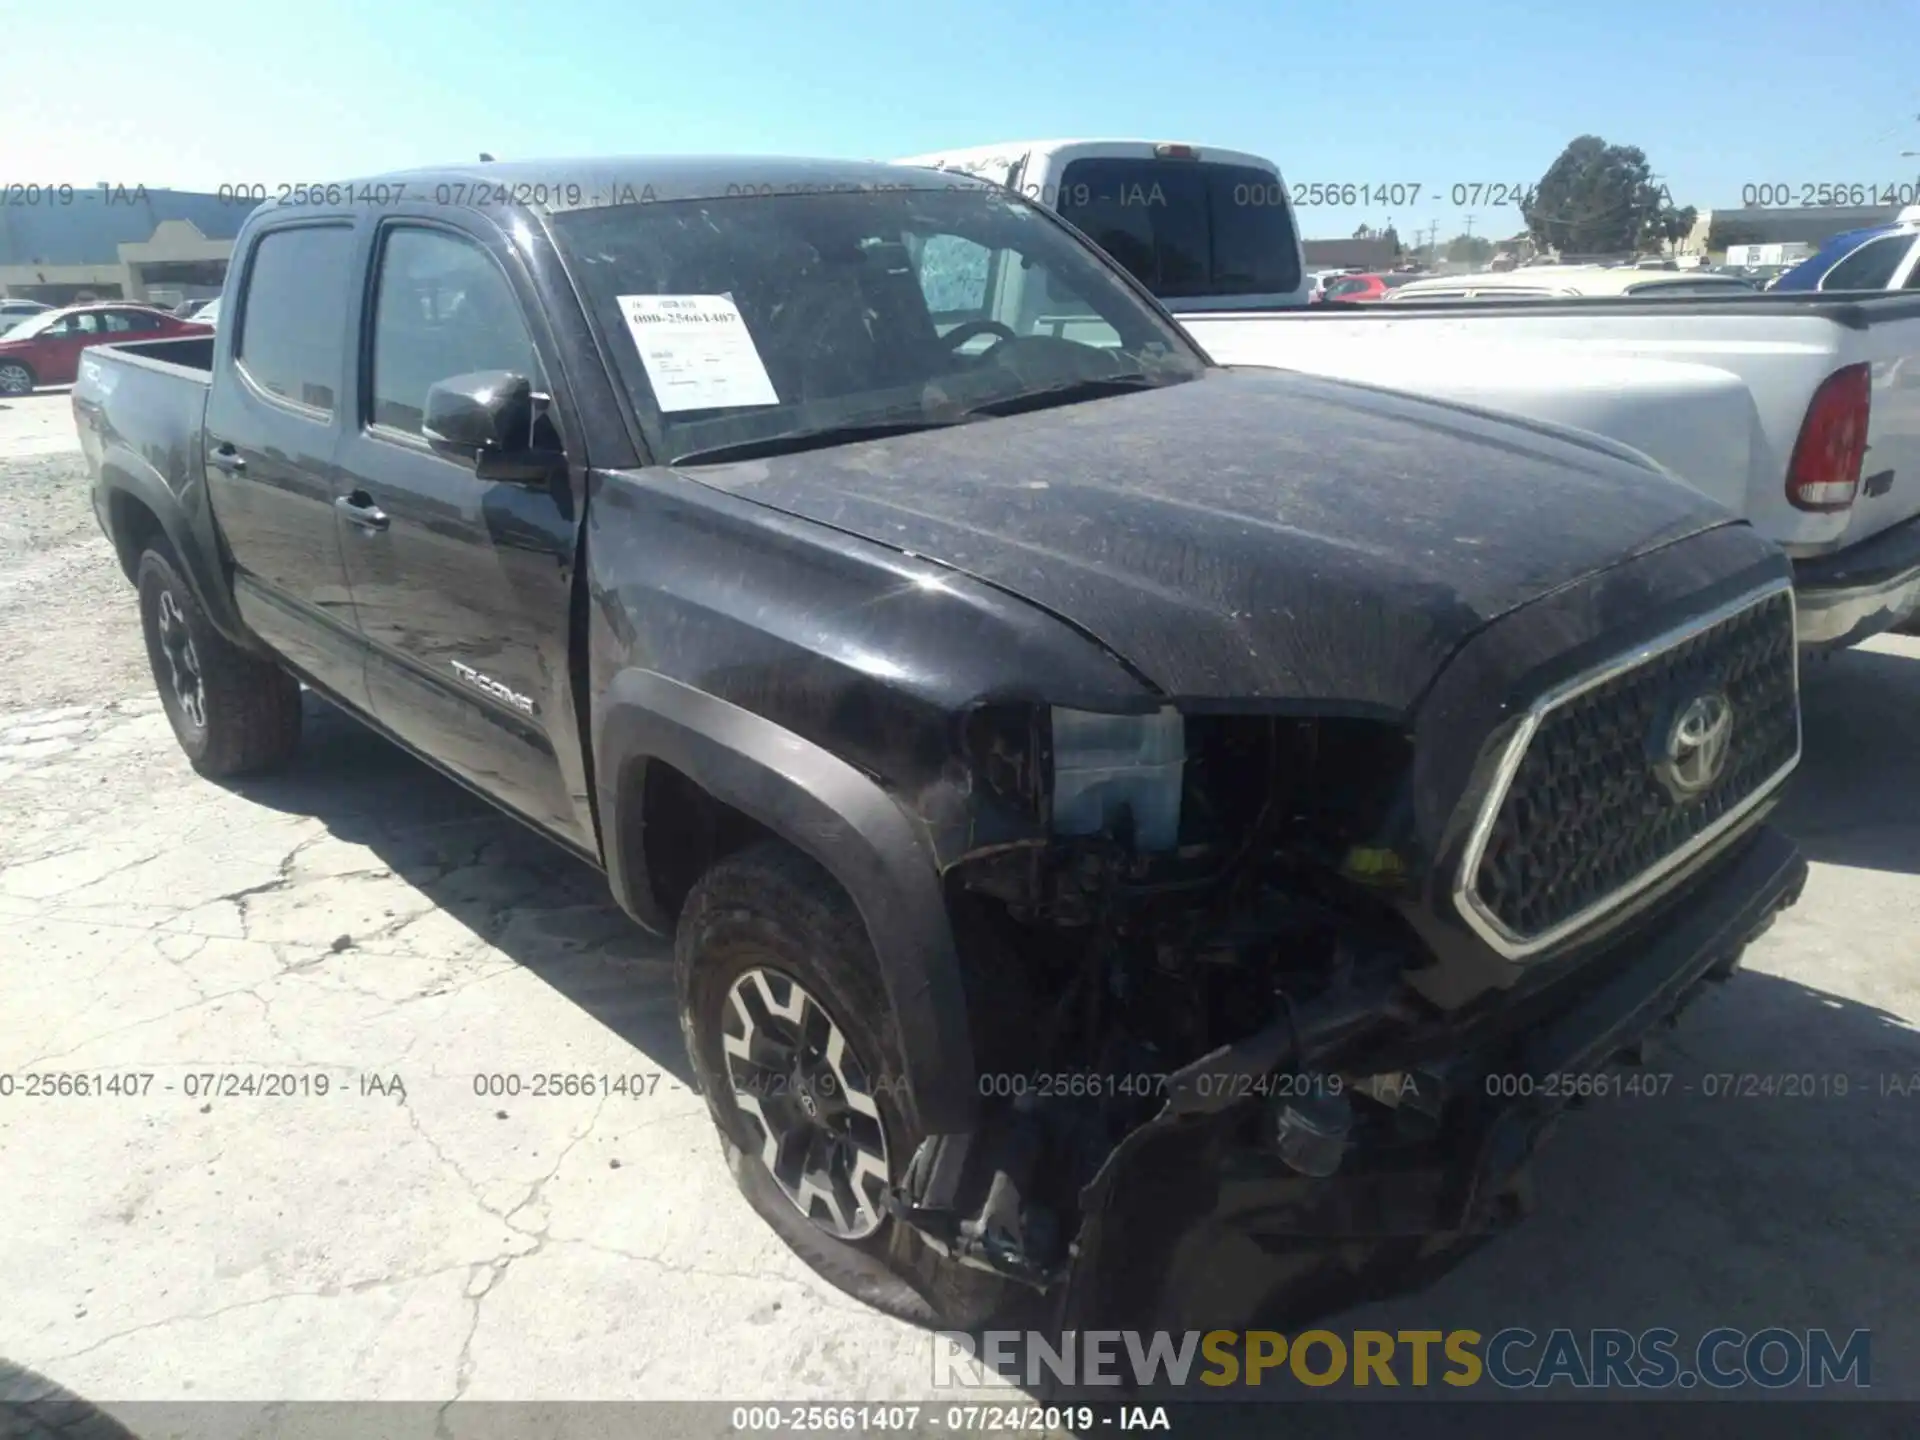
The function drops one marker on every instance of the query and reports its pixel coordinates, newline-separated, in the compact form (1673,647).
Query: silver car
(13,312)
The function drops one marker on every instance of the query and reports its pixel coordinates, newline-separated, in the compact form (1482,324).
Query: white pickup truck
(1202,228)
(1799,411)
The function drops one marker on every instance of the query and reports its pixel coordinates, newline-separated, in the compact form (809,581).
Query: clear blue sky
(195,93)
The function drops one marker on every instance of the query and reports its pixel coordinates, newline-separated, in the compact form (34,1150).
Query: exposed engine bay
(1103,973)
(1238,992)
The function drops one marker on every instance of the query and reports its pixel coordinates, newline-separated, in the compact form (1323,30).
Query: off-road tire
(250,706)
(772,907)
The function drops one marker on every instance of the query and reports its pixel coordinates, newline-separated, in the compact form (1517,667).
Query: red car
(45,350)
(1358,288)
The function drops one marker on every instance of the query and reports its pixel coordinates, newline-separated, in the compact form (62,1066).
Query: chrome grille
(1608,783)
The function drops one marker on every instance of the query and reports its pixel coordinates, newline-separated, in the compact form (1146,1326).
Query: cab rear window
(1185,228)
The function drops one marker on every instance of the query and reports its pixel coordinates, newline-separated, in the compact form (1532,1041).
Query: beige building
(160,246)
(1714,230)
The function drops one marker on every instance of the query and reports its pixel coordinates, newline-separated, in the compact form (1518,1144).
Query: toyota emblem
(1697,744)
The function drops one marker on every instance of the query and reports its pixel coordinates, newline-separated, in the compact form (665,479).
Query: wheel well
(134,527)
(686,830)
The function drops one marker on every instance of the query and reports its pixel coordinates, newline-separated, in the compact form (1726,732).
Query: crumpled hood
(1256,535)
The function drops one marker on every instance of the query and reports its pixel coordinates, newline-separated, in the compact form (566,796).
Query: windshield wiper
(814,440)
(1067,393)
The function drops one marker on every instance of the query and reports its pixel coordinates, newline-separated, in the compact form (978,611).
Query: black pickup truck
(1165,837)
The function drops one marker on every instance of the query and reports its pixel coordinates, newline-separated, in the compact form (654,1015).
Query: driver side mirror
(487,418)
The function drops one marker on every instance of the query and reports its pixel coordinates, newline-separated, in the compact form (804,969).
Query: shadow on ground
(537,903)
(1772,1184)
(1856,799)
(32,1407)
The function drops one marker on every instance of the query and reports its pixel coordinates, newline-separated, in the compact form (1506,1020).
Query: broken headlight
(1104,765)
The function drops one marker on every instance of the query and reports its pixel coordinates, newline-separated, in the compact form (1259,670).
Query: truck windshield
(1187,229)
(752,320)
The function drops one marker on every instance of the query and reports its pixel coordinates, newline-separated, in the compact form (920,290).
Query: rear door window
(1186,229)
(292,333)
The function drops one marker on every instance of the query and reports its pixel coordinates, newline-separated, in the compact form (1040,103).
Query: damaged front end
(1210,919)
(1214,1079)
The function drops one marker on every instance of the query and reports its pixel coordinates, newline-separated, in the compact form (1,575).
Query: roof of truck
(596,181)
(1005,152)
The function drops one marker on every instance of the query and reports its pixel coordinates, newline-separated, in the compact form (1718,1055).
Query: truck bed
(140,409)
(1714,388)
(1852,309)
(190,356)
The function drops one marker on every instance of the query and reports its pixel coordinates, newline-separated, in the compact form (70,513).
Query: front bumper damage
(1242,1199)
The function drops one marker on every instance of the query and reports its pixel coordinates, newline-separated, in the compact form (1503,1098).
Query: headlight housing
(1104,764)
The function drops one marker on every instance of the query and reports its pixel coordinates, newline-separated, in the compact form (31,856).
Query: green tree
(1600,199)
(1669,226)
(1470,249)
(1392,237)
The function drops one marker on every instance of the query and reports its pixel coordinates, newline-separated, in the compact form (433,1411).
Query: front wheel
(791,1038)
(15,379)
(233,713)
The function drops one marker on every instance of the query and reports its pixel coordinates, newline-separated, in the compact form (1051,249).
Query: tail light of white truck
(1824,474)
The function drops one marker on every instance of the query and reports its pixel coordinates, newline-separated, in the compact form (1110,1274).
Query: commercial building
(1714,230)
(68,243)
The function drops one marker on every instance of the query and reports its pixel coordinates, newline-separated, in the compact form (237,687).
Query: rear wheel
(790,1034)
(15,378)
(233,713)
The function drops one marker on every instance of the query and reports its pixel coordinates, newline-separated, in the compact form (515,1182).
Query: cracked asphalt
(428,1228)
(408,1221)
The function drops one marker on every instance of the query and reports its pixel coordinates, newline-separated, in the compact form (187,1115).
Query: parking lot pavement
(429,1227)
(40,424)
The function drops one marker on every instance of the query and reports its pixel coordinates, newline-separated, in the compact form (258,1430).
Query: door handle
(359,509)
(225,457)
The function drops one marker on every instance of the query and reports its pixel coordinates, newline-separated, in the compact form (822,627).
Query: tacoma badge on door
(493,687)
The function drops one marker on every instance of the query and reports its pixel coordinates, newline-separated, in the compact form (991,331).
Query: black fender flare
(189,532)
(838,815)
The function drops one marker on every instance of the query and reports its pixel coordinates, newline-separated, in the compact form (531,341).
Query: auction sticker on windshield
(698,353)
